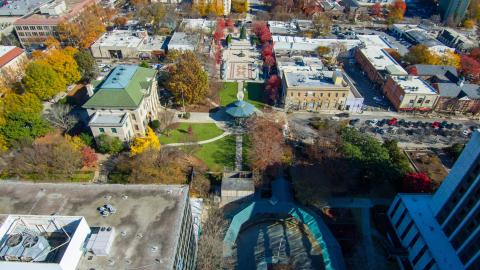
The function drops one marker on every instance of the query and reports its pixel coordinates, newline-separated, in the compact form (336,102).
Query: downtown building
(453,11)
(441,231)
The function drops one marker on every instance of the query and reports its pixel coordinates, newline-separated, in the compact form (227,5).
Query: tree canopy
(86,65)
(187,79)
(23,127)
(42,80)
(142,144)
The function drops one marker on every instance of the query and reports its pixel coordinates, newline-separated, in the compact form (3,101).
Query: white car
(373,122)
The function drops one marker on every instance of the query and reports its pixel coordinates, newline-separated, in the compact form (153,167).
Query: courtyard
(242,60)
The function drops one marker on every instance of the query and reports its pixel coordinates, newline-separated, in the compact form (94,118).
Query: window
(133,117)
(291,94)
(336,94)
(102,130)
(411,101)
(343,95)
(321,94)
(39,27)
(427,101)
(313,94)
(32,27)
(306,94)
(420,100)
(414,240)
(328,94)
(114,130)
(136,127)
(407,229)
(299,94)
(419,255)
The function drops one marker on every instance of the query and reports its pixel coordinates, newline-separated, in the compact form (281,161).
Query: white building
(442,231)
(372,2)
(183,41)
(127,44)
(42,242)
(124,103)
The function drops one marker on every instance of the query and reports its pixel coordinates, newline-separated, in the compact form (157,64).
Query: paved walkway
(239,152)
(223,135)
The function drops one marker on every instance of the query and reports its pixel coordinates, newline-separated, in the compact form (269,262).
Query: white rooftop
(194,24)
(413,84)
(113,119)
(119,38)
(381,60)
(438,244)
(313,80)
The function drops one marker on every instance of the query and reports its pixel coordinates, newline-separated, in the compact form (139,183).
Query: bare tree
(59,115)
(166,118)
(210,246)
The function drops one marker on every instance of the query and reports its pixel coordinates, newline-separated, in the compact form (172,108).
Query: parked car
(392,122)
(344,114)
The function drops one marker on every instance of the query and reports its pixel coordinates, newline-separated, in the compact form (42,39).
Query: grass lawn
(78,177)
(201,132)
(254,94)
(218,154)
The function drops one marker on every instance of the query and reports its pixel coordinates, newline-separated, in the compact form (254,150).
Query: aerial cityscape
(239,134)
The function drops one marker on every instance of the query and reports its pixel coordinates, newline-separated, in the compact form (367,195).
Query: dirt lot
(427,161)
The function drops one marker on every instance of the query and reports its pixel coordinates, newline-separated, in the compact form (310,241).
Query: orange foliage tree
(87,27)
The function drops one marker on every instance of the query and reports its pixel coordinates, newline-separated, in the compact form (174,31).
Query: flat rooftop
(119,38)
(413,84)
(147,216)
(103,119)
(20,7)
(312,80)
(381,60)
(73,8)
(436,240)
(184,39)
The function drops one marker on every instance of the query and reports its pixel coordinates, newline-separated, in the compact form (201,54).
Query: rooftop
(120,38)
(196,24)
(314,80)
(438,244)
(103,119)
(381,60)
(8,53)
(20,7)
(182,39)
(73,8)
(147,216)
(413,84)
(444,73)
(461,91)
(125,87)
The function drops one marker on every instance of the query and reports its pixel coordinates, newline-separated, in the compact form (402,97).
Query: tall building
(453,10)
(442,231)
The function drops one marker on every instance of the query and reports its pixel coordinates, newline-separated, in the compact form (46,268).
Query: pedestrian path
(223,135)
(239,152)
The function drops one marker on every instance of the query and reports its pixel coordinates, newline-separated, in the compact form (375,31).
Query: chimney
(89,89)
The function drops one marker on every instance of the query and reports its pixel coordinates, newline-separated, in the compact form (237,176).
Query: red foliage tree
(400,5)
(417,183)
(470,68)
(475,53)
(218,35)
(267,50)
(230,24)
(412,70)
(376,9)
(266,36)
(274,81)
(259,27)
(89,157)
(269,61)
(221,24)
(272,87)
(218,54)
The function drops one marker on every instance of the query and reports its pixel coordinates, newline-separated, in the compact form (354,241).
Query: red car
(436,125)
(392,121)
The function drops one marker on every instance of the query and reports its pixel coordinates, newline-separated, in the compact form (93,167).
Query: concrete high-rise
(453,11)
(442,231)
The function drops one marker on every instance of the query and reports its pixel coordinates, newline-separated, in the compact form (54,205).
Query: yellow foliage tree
(449,59)
(469,23)
(75,142)
(52,42)
(240,6)
(62,62)
(141,144)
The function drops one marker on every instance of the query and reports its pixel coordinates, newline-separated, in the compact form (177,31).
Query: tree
(141,144)
(376,9)
(322,24)
(272,87)
(420,54)
(449,58)
(470,68)
(89,157)
(417,183)
(41,80)
(47,160)
(229,39)
(144,64)
(269,151)
(218,35)
(240,6)
(323,50)
(396,11)
(210,252)
(230,25)
(108,144)
(243,32)
(27,103)
(455,150)
(155,125)
(267,50)
(22,127)
(269,62)
(120,21)
(62,62)
(86,65)
(59,116)
(469,23)
(187,79)
(86,138)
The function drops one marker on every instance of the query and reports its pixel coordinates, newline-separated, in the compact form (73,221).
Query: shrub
(417,183)
(86,138)
(155,125)
(186,115)
(109,145)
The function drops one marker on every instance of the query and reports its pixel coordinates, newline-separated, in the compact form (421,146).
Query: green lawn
(218,154)
(80,176)
(254,94)
(201,132)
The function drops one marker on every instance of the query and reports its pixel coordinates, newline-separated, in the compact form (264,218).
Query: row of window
(35,27)
(420,100)
(314,94)
(36,34)
(459,192)
(102,130)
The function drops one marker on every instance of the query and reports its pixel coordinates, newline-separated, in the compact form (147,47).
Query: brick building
(377,64)
(408,93)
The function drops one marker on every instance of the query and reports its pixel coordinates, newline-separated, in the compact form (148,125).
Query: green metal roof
(122,88)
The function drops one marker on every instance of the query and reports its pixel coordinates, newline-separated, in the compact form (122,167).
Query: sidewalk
(223,135)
